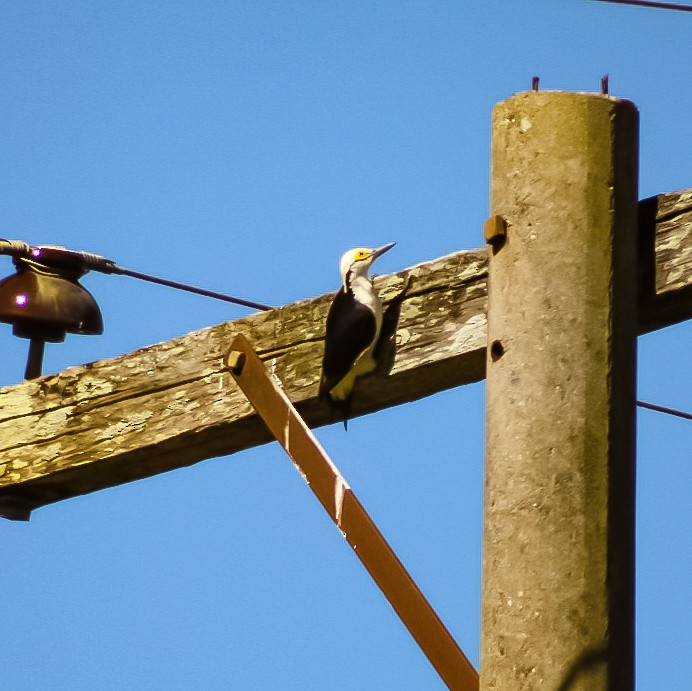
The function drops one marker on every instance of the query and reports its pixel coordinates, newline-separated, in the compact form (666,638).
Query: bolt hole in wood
(497,350)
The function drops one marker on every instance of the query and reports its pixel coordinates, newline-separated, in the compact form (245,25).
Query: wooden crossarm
(171,404)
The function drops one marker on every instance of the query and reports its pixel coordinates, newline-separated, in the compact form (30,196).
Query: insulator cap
(46,303)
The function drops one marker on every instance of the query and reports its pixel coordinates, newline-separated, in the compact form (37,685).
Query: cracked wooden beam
(172,404)
(665,260)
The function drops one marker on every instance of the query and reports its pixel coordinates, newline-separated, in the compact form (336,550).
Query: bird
(354,324)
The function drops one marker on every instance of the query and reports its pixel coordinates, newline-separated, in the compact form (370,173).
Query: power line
(122,271)
(663,409)
(87,261)
(651,3)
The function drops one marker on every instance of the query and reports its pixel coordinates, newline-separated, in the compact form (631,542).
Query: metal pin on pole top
(604,84)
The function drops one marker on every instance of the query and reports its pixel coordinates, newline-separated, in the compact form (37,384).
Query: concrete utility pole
(558,592)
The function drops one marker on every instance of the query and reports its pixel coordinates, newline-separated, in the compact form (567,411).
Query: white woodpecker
(354,323)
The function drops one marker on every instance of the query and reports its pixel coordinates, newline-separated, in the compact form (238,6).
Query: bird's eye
(361,254)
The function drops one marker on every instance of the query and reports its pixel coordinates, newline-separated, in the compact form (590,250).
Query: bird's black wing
(350,328)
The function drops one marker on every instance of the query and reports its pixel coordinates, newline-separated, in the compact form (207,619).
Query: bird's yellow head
(359,260)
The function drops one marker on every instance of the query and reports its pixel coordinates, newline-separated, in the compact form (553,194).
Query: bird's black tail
(343,408)
(339,409)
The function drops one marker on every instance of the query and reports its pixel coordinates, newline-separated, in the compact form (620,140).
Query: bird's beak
(381,250)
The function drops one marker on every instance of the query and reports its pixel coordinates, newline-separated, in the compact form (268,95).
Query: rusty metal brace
(342,505)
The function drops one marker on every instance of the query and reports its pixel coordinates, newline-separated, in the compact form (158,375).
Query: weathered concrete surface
(558,545)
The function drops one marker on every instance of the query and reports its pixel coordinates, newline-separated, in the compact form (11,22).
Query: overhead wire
(651,3)
(87,261)
(122,271)
(664,409)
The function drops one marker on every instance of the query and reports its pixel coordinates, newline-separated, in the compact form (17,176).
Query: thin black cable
(663,409)
(190,289)
(651,3)
(86,261)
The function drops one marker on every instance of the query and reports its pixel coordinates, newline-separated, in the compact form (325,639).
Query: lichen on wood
(172,404)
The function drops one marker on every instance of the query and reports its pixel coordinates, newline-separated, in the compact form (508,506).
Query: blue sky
(243,146)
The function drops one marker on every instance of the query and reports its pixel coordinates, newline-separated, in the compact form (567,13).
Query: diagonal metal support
(342,505)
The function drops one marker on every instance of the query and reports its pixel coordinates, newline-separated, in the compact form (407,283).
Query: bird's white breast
(365,294)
